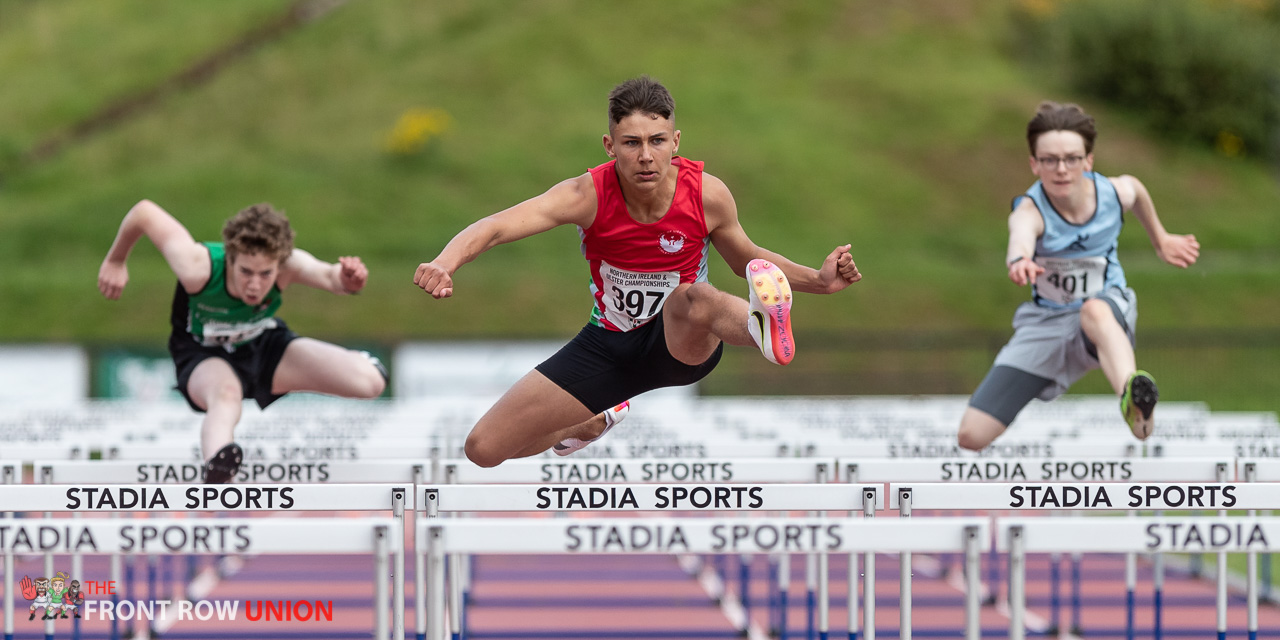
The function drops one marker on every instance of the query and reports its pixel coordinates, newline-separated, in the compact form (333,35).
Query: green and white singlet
(215,319)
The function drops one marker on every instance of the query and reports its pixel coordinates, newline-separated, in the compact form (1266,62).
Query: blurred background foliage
(1199,70)
(383,128)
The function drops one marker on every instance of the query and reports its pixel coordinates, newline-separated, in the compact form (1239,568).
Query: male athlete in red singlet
(647,220)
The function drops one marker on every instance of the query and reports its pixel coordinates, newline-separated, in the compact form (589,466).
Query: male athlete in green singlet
(226,342)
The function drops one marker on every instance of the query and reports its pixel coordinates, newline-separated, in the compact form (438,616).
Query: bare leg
(589,430)
(698,316)
(978,429)
(533,413)
(320,367)
(1115,353)
(214,387)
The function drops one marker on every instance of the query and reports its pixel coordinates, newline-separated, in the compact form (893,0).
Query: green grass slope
(896,127)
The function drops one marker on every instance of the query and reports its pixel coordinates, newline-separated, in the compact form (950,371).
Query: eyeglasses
(1051,162)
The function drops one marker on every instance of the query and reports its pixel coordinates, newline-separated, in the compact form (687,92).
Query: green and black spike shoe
(1138,403)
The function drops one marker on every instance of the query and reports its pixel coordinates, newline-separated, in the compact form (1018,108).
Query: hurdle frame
(282,537)
(310,497)
(514,498)
(1019,536)
(477,536)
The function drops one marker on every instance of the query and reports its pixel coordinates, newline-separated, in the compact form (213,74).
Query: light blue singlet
(1080,259)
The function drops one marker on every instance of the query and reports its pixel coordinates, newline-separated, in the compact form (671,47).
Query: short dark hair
(640,95)
(258,229)
(1052,116)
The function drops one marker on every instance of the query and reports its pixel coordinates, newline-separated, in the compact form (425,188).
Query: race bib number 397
(1066,280)
(632,298)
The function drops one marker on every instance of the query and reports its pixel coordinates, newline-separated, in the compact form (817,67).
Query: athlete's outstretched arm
(570,202)
(837,271)
(1025,225)
(1177,250)
(188,259)
(347,276)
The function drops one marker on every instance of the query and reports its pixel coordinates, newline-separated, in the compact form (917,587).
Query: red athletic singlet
(634,266)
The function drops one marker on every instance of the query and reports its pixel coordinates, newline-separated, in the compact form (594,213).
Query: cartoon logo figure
(38,593)
(671,242)
(74,598)
(57,587)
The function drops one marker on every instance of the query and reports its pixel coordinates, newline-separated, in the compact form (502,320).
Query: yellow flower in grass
(1039,8)
(415,128)
(1229,144)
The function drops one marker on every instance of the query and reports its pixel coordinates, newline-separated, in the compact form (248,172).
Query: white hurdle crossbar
(646,497)
(166,471)
(641,470)
(1044,496)
(715,535)
(1019,536)
(373,536)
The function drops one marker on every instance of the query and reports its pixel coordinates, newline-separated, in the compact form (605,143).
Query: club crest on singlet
(671,241)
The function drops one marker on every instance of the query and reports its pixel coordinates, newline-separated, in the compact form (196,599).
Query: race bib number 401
(632,298)
(1066,280)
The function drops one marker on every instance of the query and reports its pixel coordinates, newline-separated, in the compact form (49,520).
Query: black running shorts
(601,368)
(254,362)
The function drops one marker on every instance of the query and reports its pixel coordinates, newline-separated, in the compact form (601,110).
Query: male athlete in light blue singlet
(1082,314)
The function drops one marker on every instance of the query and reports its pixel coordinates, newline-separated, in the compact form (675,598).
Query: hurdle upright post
(1131,588)
(434,593)
(397,569)
(973,584)
(380,580)
(904,570)
(869,574)
(48,563)
(8,477)
(1017,585)
(824,574)
(851,475)
(1222,567)
(1251,566)
(457,577)
(419,563)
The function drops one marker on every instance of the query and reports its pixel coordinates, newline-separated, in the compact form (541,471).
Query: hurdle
(375,536)
(110,498)
(557,498)
(698,535)
(1055,470)
(1019,536)
(1087,496)
(651,470)
(119,471)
